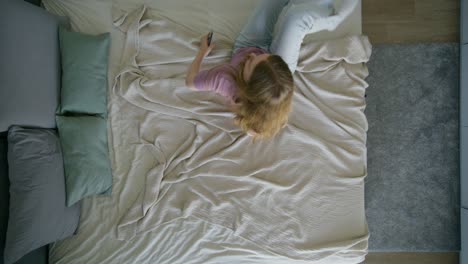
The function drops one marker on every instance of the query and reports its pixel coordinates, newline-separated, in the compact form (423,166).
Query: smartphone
(210,36)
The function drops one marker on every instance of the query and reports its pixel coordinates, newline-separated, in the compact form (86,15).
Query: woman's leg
(259,29)
(295,21)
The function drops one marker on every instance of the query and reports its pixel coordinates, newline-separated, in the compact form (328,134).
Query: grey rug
(412,187)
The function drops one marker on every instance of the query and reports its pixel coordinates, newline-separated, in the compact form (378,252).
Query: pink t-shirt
(220,79)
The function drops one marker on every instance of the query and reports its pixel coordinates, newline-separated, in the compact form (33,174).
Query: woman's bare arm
(193,70)
(195,66)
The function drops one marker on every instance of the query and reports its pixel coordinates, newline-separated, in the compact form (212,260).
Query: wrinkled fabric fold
(298,195)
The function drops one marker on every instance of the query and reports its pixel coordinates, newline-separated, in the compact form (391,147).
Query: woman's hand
(204,48)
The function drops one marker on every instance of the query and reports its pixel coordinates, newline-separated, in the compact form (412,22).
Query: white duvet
(189,187)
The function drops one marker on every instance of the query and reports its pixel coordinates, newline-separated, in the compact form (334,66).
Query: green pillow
(84,73)
(85,156)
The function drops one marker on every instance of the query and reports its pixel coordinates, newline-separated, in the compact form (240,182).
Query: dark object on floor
(412,187)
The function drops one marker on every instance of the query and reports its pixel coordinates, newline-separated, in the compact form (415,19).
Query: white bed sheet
(185,240)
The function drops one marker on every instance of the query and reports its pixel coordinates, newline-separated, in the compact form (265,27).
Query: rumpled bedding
(296,195)
(190,187)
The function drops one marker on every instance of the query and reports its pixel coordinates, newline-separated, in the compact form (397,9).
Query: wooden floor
(412,258)
(409,21)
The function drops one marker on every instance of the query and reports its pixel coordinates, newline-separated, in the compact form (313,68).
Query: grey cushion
(38,214)
(38,256)
(30,65)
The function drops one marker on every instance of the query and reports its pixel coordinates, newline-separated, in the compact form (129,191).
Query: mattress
(175,199)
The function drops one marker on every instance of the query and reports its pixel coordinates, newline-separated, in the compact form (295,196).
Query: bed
(188,186)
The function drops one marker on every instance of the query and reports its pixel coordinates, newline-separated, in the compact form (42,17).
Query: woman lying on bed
(258,80)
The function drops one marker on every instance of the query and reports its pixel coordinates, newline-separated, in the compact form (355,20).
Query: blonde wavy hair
(265,99)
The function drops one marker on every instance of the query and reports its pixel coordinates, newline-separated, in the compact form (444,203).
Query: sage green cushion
(85,156)
(84,72)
